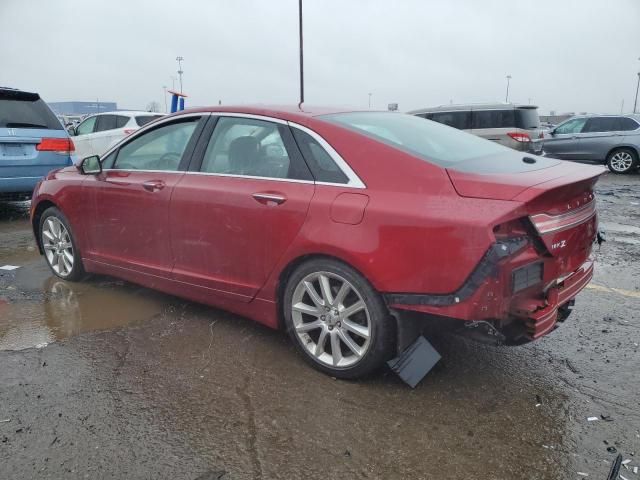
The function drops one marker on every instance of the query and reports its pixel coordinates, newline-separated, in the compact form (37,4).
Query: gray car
(610,139)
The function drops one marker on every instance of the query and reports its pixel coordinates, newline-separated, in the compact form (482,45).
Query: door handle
(153,185)
(267,198)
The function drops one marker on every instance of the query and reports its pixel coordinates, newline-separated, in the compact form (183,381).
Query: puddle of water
(63,309)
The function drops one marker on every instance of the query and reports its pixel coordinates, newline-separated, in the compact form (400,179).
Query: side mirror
(71,130)
(90,165)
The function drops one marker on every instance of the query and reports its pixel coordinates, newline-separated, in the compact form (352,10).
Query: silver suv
(512,125)
(610,139)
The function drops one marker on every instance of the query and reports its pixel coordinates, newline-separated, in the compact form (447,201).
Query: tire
(622,160)
(355,319)
(60,249)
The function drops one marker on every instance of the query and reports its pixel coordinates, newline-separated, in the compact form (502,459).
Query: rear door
(563,141)
(104,132)
(599,136)
(130,198)
(234,215)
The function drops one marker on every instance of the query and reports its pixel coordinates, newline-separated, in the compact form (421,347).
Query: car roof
(131,113)
(283,112)
(472,106)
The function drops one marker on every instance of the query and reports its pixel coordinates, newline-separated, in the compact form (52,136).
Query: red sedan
(329,224)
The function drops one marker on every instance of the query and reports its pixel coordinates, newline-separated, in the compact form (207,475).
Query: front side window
(250,147)
(459,120)
(159,149)
(86,126)
(493,119)
(571,126)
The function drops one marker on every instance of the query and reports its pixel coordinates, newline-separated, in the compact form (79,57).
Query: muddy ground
(109,380)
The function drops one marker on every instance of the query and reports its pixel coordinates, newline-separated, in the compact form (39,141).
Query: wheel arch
(286,272)
(35,221)
(633,148)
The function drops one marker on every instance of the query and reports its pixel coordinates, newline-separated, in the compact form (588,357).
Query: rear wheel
(622,160)
(59,247)
(336,319)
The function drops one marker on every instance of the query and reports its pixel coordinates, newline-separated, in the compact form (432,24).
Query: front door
(130,199)
(565,140)
(233,219)
(84,137)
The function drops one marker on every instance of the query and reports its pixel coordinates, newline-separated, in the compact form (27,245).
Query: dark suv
(610,139)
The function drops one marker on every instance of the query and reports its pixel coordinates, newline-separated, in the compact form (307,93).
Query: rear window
(142,120)
(26,110)
(430,141)
(527,118)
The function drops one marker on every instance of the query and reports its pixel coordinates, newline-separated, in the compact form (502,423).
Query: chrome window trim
(353,180)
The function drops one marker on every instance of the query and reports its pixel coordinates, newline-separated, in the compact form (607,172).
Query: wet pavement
(104,379)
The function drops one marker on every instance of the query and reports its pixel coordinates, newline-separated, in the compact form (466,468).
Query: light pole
(506,98)
(370,100)
(635,103)
(180,72)
(164,87)
(173,82)
(301,54)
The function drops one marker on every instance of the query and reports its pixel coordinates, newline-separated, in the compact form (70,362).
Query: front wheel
(622,160)
(336,319)
(59,246)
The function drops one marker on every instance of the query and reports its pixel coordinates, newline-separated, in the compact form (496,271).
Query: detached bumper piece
(541,319)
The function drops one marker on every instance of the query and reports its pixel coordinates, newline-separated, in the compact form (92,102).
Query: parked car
(97,133)
(511,125)
(32,142)
(325,223)
(613,140)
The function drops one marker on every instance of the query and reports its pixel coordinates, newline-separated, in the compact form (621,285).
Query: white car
(97,133)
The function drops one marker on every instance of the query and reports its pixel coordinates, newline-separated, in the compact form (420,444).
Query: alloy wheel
(621,162)
(56,242)
(331,319)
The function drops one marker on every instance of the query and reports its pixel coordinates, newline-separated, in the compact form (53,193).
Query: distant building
(82,108)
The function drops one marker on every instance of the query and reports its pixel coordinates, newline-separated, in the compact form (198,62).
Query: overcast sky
(568,55)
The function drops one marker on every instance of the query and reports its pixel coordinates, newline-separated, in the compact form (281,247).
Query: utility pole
(180,72)
(370,100)
(164,87)
(635,103)
(301,54)
(506,98)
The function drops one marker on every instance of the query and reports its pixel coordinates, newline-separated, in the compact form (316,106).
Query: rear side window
(322,166)
(106,122)
(459,120)
(601,124)
(493,119)
(121,121)
(626,124)
(142,120)
(25,110)
(527,118)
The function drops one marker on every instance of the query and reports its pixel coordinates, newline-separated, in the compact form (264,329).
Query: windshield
(430,141)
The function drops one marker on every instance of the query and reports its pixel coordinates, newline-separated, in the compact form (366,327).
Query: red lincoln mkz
(329,224)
